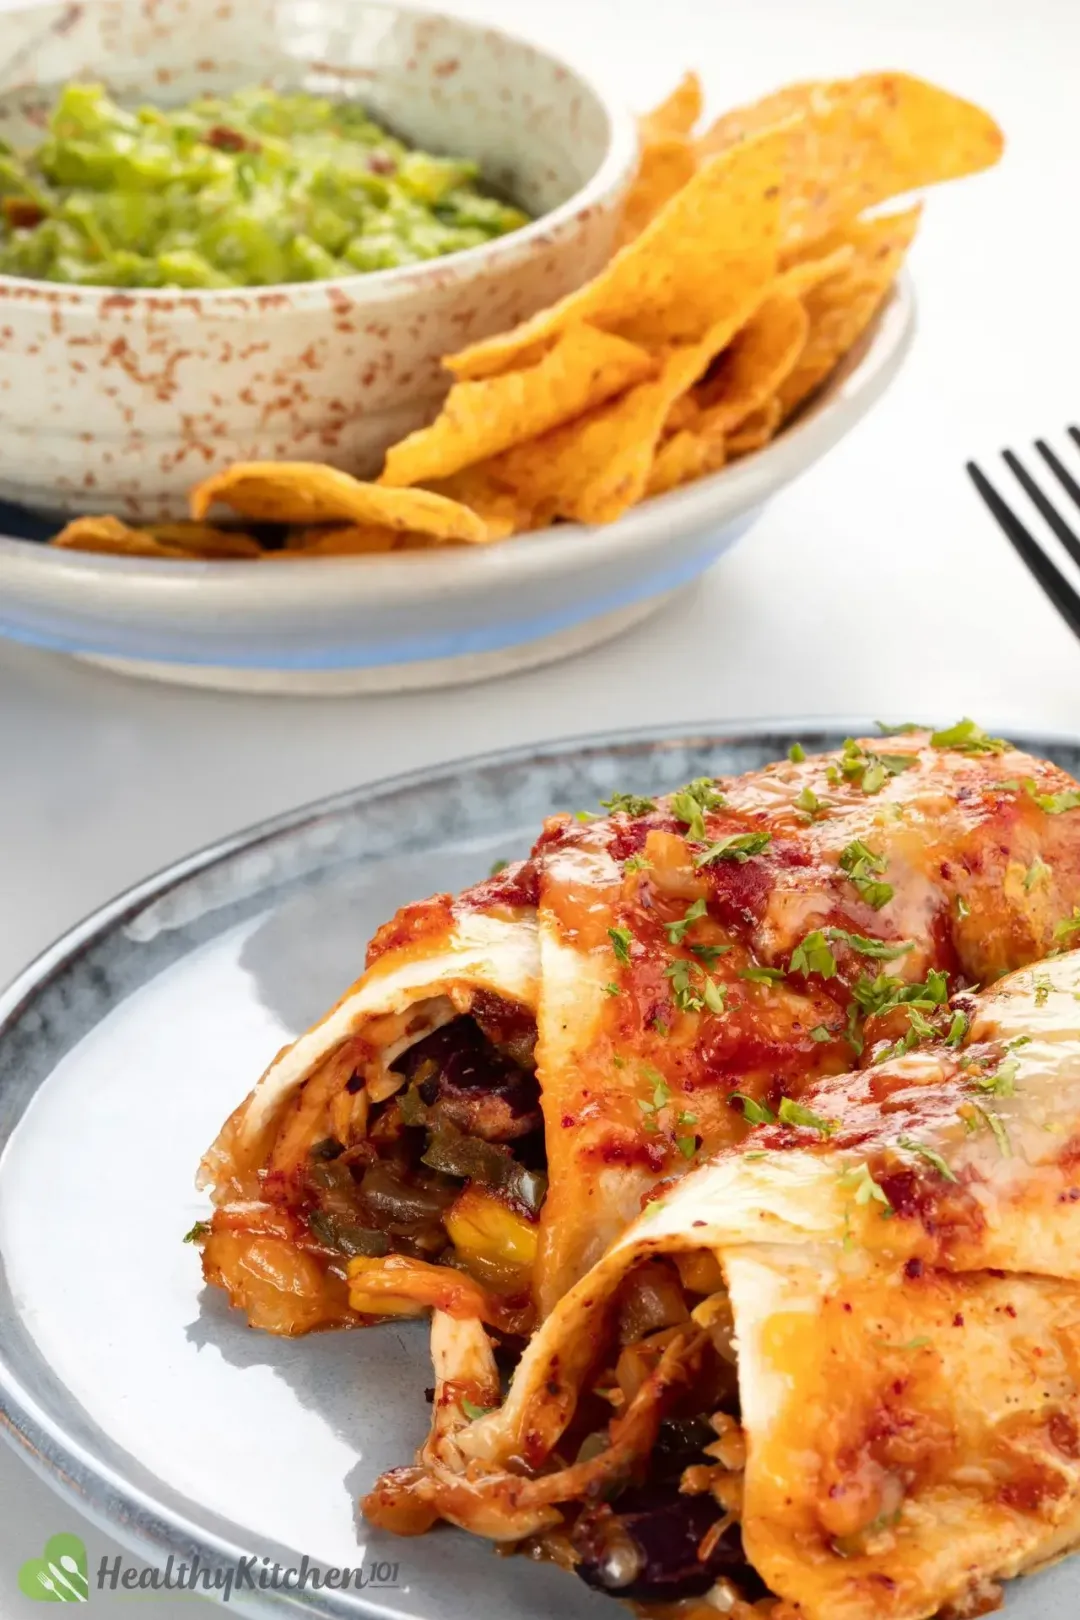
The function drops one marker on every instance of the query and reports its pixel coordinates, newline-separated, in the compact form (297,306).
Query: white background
(876,586)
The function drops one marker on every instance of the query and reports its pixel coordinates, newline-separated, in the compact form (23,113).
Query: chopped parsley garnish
(792,1113)
(687,1146)
(968,738)
(812,955)
(613,989)
(472,1411)
(867,769)
(739,847)
(881,994)
(585,815)
(919,1029)
(809,802)
(620,943)
(637,863)
(692,989)
(690,803)
(1055,804)
(1038,872)
(198,1232)
(962,908)
(496,867)
(796,753)
(1002,1083)
(879,948)
(912,1344)
(762,975)
(957,1029)
(931,1155)
(861,864)
(1043,985)
(627,804)
(907,728)
(754,1112)
(1065,929)
(709,953)
(713,995)
(676,930)
(997,1125)
(858,1180)
(820,1033)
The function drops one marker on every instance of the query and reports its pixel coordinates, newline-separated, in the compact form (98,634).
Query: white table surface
(876,586)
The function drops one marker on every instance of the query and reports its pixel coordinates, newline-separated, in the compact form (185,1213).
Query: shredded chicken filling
(668,1530)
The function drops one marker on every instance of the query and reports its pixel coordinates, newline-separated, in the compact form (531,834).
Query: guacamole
(249,190)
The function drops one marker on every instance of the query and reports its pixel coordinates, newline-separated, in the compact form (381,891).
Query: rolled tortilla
(683,963)
(901,1294)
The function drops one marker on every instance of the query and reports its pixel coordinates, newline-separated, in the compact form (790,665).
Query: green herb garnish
(1055,804)
(1037,872)
(931,1155)
(812,955)
(879,948)
(198,1232)
(861,864)
(792,1113)
(620,943)
(968,738)
(762,975)
(676,930)
(739,847)
(754,1112)
(472,1411)
(627,804)
(858,1180)
(796,753)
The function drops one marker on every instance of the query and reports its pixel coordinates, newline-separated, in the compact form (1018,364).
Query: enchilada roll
(362,1136)
(836,1370)
(519,1067)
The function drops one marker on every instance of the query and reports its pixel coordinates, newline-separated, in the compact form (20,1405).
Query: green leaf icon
(59,1575)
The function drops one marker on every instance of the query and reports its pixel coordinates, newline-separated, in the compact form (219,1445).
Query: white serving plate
(136,1393)
(409,620)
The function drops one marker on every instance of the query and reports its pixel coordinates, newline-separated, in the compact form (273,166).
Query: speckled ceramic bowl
(120,400)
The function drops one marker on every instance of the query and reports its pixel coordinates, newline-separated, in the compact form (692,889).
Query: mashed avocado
(251,190)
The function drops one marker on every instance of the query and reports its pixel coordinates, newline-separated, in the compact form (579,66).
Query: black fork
(1031,553)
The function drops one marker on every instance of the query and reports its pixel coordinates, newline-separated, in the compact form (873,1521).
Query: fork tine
(1059,470)
(1030,552)
(1045,506)
(1074,434)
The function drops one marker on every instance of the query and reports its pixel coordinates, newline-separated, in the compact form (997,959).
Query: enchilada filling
(436,1156)
(668,1529)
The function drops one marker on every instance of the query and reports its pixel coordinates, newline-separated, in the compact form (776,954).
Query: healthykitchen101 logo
(61,1575)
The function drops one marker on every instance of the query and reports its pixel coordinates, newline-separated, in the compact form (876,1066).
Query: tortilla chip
(713,246)
(860,141)
(593,469)
(346,540)
(684,413)
(684,457)
(502,509)
(803,274)
(305,492)
(677,113)
(756,431)
(203,540)
(110,537)
(841,308)
(665,166)
(480,419)
(752,368)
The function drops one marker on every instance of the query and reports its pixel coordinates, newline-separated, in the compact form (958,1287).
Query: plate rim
(117,1506)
